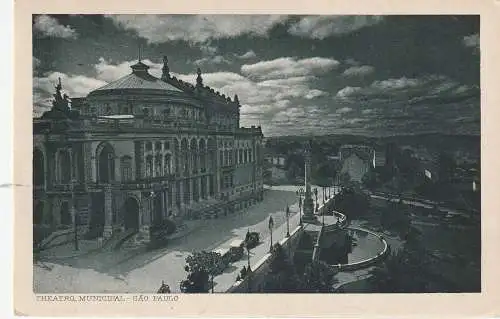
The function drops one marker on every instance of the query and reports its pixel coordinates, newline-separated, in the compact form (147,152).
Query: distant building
(356,161)
(275,159)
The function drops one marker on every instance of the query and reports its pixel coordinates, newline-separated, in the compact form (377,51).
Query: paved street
(142,272)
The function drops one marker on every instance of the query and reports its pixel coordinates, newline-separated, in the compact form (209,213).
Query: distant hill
(434,142)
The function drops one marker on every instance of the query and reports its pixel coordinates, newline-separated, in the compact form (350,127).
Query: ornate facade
(142,149)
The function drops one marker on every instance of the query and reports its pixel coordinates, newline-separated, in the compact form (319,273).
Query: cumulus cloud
(320,27)
(73,85)
(196,28)
(248,55)
(432,89)
(312,94)
(49,27)
(358,71)
(208,49)
(347,92)
(472,40)
(106,71)
(218,59)
(344,110)
(396,84)
(288,66)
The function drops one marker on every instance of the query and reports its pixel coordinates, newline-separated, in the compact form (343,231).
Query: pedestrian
(164,289)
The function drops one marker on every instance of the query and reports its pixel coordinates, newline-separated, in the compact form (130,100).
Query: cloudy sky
(376,75)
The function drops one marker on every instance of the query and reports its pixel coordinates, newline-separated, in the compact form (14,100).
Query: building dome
(138,81)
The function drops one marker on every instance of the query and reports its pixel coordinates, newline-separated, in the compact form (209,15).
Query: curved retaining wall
(366,262)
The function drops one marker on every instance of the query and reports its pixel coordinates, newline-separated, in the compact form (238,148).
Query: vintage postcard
(325,162)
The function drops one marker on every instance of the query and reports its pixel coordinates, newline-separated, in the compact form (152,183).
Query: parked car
(252,239)
(236,250)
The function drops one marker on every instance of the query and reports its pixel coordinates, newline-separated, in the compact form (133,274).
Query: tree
(371,180)
(404,271)
(282,276)
(201,266)
(446,166)
(293,171)
(318,277)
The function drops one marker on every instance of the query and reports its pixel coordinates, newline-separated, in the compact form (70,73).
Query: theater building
(139,150)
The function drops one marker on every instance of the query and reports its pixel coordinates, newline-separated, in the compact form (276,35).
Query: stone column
(199,188)
(180,190)
(93,168)
(87,162)
(191,191)
(308,207)
(144,221)
(207,187)
(108,213)
(143,157)
(164,203)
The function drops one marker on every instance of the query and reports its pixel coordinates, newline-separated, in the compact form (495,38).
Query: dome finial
(199,79)
(165,69)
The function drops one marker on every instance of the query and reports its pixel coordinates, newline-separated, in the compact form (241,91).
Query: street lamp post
(249,270)
(287,221)
(316,196)
(300,192)
(271,225)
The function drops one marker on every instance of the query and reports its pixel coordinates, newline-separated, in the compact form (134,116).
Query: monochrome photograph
(227,153)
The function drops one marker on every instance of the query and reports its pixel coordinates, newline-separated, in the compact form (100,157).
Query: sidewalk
(224,281)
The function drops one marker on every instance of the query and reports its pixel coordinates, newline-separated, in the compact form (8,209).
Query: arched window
(38,168)
(158,147)
(226,158)
(203,158)
(167,164)
(64,168)
(194,155)
(149,166)
(158,165)
(106,164)
(126,168)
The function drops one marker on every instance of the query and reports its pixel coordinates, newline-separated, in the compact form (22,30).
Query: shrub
(159,232)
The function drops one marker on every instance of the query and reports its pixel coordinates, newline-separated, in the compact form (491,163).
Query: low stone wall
(256,280)
(367,262)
